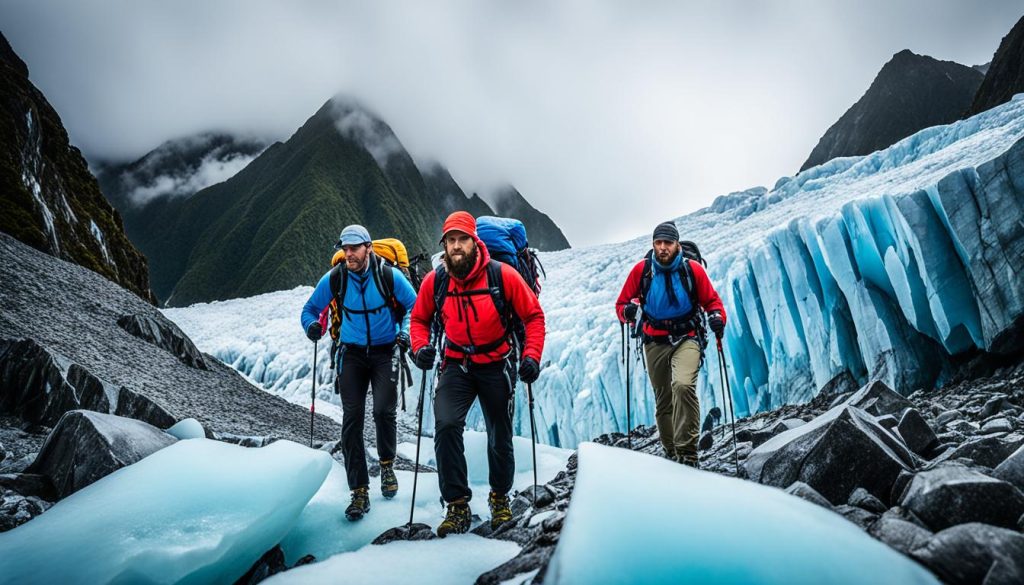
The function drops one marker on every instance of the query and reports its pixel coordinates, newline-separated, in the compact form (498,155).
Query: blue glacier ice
(879,266)
(717,530)
(198,511)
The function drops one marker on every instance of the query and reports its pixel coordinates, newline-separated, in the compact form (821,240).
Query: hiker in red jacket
(672,290)
(475,298)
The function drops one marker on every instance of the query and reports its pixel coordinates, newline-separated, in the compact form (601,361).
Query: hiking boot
(360,504)
(388,481)
(500,512)
(690,460)
(456,521)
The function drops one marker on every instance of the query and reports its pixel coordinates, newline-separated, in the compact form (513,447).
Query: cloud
(592,109)
(211,170)
(355,122)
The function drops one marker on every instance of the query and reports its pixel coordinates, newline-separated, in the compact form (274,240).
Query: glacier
(886,266)
(706,543)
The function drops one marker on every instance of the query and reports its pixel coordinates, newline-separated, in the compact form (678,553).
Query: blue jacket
(362,294)
(658,304)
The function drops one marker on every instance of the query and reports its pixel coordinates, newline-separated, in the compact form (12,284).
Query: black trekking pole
(419,433)
(312,397)
(533,437)
(629,431)
(732,414)
(721,372)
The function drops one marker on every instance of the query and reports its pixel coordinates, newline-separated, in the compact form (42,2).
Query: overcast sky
(608,116)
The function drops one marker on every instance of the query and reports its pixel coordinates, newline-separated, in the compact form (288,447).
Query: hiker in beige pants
(673,373)
(674,291)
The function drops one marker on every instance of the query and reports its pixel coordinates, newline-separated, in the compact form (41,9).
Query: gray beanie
(666,231)
(353,235)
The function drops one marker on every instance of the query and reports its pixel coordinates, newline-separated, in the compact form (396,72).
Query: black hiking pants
(361,369)
(494,385)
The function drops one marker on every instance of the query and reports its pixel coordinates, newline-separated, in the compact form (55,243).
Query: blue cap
(353,235)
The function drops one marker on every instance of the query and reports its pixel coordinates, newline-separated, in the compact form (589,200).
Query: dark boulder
(895,530)
(33,382)
(1011,470)
(806,492)
(17,509)
(836,453)
(707,439)
(888,421)
(864,500)
(271,563)
(877,399)
(917,433)
(971,553)
(85,446)
(416,531)
(947,417)
(993,406)
(165,335)
(998,425)
(29,484)
(786,424)
(858,516)
(134,405)
(39,386)
(986,451)
(951,495)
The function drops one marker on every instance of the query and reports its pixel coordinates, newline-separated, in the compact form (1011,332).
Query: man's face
(665,250)
(458,246)
(356,256)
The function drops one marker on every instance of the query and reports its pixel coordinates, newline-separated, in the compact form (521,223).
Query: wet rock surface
(86,446)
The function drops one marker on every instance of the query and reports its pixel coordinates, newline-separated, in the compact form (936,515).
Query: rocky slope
(910,93)
(72,341)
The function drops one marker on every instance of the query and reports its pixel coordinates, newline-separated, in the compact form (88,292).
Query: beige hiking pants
(673,373)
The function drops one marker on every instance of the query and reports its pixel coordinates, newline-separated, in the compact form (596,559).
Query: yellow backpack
(392,251)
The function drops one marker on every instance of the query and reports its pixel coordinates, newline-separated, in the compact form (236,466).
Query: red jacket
(707,297)
(477,321)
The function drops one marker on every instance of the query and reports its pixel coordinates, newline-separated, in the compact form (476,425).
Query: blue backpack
(506,241)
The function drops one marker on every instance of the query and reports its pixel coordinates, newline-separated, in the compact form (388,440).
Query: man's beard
(671,257)
(353,266)
(461,266)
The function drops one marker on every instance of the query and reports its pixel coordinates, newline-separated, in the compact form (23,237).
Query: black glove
(529,370)
(425,357)
(314,332)
(716,323)
(402,341)
(629,311)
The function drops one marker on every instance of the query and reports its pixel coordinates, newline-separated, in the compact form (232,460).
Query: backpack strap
(339,284)
(384,278)
(686,276)
(496,290)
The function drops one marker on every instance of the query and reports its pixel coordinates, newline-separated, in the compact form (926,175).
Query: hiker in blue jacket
(374,300)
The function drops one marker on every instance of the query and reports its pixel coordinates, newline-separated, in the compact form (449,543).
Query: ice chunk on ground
(689,526)
(198,511)
(322,530)
(188,428)
(456,559)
